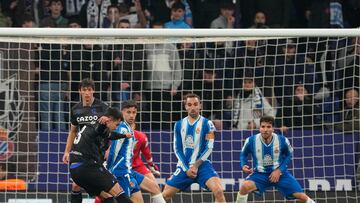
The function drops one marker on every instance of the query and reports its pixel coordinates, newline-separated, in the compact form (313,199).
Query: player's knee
(218,191)
(166,195)
(246,187)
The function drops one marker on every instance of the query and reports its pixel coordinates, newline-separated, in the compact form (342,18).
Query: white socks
(310,201)
(241,198)
(158,198)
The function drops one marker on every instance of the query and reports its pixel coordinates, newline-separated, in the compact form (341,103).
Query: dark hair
(267,119)
(191,95)
(227,5)
(178,5)
(87,82)
(128,104)
(74,19)
(114,113)
(55,1)
(124,21)
(112,6)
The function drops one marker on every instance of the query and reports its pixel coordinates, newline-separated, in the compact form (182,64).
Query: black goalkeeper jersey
(87,115)
(87,144)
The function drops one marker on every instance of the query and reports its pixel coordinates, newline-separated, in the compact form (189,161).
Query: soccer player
(142,146)
(270,153)
(86,112)
(119,161)
(86,159)
(193,144)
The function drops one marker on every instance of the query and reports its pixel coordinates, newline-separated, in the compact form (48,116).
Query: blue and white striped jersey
(193,141)
(267,157)
(121,151)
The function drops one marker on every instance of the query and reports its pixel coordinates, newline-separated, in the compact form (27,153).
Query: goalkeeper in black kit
(86,159)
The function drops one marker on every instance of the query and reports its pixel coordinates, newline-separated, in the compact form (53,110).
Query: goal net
(307,79)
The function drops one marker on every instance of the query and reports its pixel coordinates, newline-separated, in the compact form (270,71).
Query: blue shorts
(181,181)
(287,184)
(128,183)
(138,177)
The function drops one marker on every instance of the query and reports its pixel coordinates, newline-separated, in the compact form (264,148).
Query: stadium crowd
(303,82)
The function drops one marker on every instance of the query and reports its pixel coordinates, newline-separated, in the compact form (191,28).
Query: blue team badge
(93,110)
(189,142)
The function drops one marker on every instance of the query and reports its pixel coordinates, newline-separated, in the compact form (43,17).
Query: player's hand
(275,176)
(247,169)
(128,135)
(103,119)
(65,158)
(192,172)
(154,169)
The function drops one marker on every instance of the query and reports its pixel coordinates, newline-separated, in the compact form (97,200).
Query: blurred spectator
(292,68)
(177,16)
(112,18)
(163,77)
(5,21)
(93,13)
(205,12)
(28,22)
(135,14)
(157,10)
(351,12)
(226,18)
(349,63)
(336,14)
(53,83)
(250,105)
(277,12)
(299,111)
(259,20)
(55,19)
(127,69)
(351,114)
(73,7)
(210,88)
(72,58)
(318,13)
(19,9)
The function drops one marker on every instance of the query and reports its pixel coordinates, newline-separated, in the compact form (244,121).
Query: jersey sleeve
(73,120)
(209,141)
(178,148)
(244,153)
(145,149)
(287,153)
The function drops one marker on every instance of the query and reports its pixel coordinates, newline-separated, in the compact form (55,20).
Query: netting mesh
(309,84)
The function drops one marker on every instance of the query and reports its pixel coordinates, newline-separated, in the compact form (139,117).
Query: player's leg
(208,178)
(177,182)
(76,196)
(169,192)
(152,187)
(302,197)
(256,182)
(214,184)
(117,193)
(137,197)
(246,187)
(290,188)
(150,176)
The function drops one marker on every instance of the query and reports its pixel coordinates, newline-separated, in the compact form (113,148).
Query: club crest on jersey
(11,107)
(189,143)
(197,130)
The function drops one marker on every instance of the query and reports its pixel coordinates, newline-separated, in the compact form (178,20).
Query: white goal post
(302,77)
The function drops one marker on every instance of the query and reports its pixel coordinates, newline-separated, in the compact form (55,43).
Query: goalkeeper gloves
(154,169)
